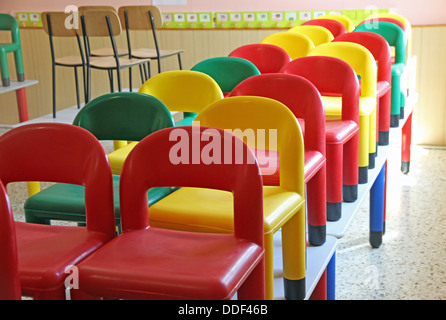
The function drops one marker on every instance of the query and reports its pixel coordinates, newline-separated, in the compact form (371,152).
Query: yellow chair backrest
(183,90)
(346,21)
(358,57)
(317,34)
(263,118)
(295,44)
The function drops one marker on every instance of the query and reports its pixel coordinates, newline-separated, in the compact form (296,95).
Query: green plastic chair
(8,22)
(227,71)
(395,36)
(114,116)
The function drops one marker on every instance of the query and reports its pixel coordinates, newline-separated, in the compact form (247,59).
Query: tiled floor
(411,262)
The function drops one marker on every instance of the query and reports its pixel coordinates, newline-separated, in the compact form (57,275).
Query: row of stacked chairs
(317,119)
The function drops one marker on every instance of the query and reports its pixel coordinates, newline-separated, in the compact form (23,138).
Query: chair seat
(338,131)
(146,53)
(106,52)
(70,61)
(208,210)
(63,201)
(117,157)
(382,87)
(44,252)
(110,62)
(170,263)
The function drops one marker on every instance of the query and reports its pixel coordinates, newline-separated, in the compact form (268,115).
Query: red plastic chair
(380,50)
(58,153)
(333,76)
(267,58)
(149,262)
(303,99)
(335,27)
(9,272)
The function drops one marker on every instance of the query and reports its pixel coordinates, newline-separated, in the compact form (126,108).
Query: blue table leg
(377,208)
(331,278)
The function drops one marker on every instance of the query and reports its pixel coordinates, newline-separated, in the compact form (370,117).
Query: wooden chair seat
(110,62)
(146,53)
(106,52)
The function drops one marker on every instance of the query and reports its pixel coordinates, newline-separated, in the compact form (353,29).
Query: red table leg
(22,104)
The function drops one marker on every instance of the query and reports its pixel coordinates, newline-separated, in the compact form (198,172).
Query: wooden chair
(53,24)
(105,23)
(146,18)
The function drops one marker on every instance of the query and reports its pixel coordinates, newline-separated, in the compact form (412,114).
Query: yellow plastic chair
(363,62)
(346,21)
(317,34)
(205,210)
(297,45)
(180,90)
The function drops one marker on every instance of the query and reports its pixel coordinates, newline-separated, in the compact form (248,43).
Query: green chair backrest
(392,33)
(124,116)
(8,22)
(227,71)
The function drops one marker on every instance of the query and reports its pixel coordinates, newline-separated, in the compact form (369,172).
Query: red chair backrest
(57,152)
(267,58)
(397,22)
(330,76)
(335,27)
(154,163)
(298,94)
(9,274)
(378,47)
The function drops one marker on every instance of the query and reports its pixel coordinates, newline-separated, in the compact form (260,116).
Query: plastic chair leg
(372,138)
(294,252)
(317,207)
(334,155)
(363,148)
(349,171)
(253,288)
(384,119)
(5,70)
(19,65)
(395,106)
(268,243)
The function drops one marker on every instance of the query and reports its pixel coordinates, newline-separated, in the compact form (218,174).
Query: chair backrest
(295,44)
(346,21)
(378,19)
(358,57)
(267,58)
(330,76)
(9,272)
(394,35)
(96,23)
(377,46)
(298,94)
(124,116)
(227,71)
(64,153)
(153,163)
(335,27)
(263,123)
(8,22)
(317,34)
(183,90)
(54,24)
(138,17)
